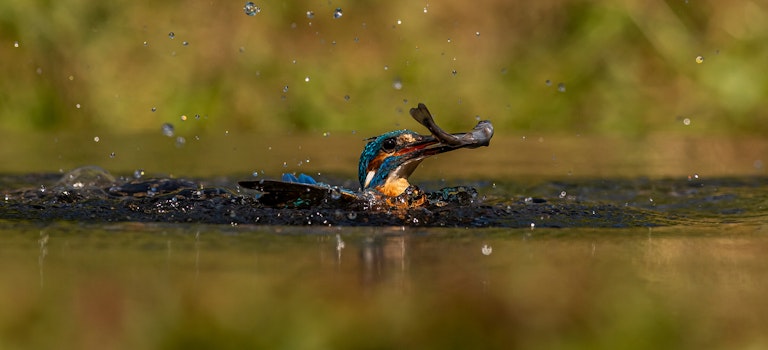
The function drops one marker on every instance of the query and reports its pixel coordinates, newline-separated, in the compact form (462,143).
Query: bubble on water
(352,215)
(96,139)
(310,14)
(167,129)
(251,9)
(563,194)
(197,116)
(686,121)
(399,22)
(426,9)
(42,188)
(183,117)
(306,79)
(138,173)
(180,141)
(346,97)
(112,155)
(16,43)
(77,105)
(185,43)
(171,35)
(285,89)
(338,13)
(146,43)
(154,109)
(255,173)
(397,84)
(386,67)
(548,82)
(533,226)
(486,249)
(699,59)
(561,87)
(477,34)
(454,72)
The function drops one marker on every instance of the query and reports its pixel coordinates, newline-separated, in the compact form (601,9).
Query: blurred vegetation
(577,67)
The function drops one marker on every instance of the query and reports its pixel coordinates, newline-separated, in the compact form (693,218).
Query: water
(163,286)
(658,243)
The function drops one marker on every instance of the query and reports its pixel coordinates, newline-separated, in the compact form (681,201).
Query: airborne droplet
(338,13)
(251,9)
(168,129)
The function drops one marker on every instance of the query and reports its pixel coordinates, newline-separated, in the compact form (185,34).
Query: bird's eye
(389,144)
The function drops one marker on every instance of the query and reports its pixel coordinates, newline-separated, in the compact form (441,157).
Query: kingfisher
(385,165)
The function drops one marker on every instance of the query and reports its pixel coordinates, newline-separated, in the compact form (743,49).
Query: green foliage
(628,68)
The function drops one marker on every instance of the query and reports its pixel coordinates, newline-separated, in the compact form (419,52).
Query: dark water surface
(567,244)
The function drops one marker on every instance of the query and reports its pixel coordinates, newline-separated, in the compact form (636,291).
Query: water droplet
(96,139)
(335,193)
(310,14)
(386,67)
(183,117)
(352,215)
(533,226)
(454,72)
(699,59)
(426,9)
(477,34)
(686,121)
(255,173)
(251,9)
(112,155)
(171,35)
(285,89)
(757,164)
(77,106)
(338,13)
(154,109)
(180,141)
(138,173)
(167,129)
(346,97)
(563,194)
(306,79)
(185,43)
(326,134)
(16,43)
(397,84)
(561,87)
(486,249)
(548,82)
(197,116)
(146,43)
(399,22)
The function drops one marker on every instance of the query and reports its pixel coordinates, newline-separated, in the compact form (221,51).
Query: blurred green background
(626,68)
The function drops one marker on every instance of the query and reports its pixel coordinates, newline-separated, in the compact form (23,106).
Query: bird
(385,164)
